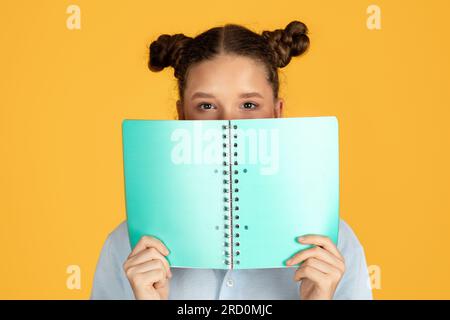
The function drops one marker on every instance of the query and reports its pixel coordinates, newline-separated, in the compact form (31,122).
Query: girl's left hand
(322,269)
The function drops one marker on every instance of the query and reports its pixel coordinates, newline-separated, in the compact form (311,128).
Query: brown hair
(273,48)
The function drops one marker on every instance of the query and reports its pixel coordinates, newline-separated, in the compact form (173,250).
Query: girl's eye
(249,105)
(206,106)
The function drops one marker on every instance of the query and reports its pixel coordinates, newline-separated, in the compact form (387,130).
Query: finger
(322,267)
(150,277)
(160,283)
(148,242)
(319,253)
(147,266)
(322,241)
(309,272)
(145,255)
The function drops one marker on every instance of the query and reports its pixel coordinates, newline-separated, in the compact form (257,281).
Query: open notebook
(231,193)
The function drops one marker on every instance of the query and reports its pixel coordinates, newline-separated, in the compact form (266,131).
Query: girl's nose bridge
(227,112)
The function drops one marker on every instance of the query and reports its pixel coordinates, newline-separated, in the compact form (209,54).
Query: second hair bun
(289,42)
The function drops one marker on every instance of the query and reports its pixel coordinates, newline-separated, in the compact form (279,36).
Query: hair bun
(166,51)
(289,42)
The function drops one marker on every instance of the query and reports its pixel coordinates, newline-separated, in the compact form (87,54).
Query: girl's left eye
(249,105)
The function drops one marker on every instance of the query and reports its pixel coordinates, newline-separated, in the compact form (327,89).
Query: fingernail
(301,239)
(289,261)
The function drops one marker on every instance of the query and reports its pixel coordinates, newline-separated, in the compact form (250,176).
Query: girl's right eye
(206,106)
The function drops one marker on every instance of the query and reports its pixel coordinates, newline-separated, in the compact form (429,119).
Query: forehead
(227,74)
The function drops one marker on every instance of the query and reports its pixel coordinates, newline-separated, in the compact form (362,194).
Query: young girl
(231,72)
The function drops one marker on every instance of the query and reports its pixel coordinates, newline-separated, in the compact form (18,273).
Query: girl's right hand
(147,269)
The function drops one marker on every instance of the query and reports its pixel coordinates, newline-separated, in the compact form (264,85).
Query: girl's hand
(321,270)
(147,269)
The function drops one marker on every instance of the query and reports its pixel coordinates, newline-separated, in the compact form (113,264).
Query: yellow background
(65,92)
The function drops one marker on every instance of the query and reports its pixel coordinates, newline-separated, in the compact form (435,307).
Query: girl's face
(228,87)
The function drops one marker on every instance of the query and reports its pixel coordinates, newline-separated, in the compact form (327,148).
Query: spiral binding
(229,136)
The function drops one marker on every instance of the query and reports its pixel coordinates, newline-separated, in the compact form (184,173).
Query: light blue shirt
(110,281)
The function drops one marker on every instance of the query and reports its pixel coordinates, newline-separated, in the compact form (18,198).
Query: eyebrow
(200,94)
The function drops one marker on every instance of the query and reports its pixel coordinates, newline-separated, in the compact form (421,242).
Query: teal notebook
(231,194)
